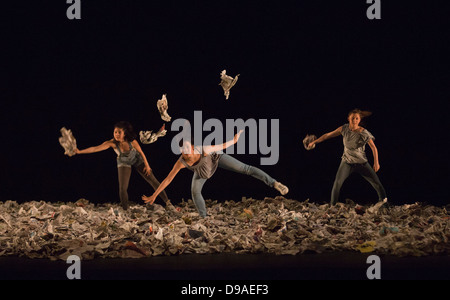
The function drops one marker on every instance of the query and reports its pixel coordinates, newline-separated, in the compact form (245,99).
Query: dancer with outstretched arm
(354,158)
(129,154)
(204,161)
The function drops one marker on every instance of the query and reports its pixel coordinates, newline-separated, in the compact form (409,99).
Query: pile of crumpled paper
(273,225)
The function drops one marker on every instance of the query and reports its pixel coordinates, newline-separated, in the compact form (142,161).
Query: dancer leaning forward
(204,161)
(129,154)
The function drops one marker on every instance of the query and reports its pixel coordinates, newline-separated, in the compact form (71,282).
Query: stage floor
(336,265)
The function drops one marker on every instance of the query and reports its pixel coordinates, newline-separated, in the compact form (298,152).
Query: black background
(306,63)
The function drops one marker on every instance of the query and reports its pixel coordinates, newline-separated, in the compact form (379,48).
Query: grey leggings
(365,170)
(124,174)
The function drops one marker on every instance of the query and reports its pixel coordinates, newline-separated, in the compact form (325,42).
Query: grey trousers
(230,163)
(365,170)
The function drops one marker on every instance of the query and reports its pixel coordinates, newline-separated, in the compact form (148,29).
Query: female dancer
(129,154)
(203,161)
(354,158)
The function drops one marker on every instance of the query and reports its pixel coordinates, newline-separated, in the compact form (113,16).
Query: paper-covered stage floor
(277,226)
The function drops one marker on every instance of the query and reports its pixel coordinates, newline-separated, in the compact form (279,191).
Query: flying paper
(163,106)
(68,142)
(148,137)
(227,82)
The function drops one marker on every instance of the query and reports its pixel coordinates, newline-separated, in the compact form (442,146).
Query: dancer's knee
(249,170)
(196,191)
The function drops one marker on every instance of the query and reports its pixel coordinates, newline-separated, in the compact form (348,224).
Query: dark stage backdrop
(306,63)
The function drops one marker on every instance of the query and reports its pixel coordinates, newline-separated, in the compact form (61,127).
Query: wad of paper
(227,82)
(148,137)
(68,142)
(163,107)
(307,140)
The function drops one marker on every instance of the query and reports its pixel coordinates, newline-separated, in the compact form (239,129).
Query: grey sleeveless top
(206,166)
(129,158)
(355,145)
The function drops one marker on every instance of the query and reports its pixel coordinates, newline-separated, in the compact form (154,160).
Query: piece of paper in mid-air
(227,82)
(163,106)
(148,137)
(68,141)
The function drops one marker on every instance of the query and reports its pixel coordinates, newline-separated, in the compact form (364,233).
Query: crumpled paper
(148,137)
(308,139)
(163,106)
(273,225)
(227,82)
(68,142)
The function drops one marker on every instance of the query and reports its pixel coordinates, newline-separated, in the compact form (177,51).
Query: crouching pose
(204,161)
(354,158)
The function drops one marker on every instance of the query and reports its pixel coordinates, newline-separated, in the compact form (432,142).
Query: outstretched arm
(327,136)
(209,149)
(376,164)
(101,147)
(176,168)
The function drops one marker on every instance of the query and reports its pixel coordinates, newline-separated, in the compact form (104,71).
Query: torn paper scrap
(227,82)
(148,137)
(132,246)
(375,208)
(68,142)
(163,106)
(307,140)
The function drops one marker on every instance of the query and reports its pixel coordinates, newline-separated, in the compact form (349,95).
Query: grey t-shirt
(206,166)
(355,145)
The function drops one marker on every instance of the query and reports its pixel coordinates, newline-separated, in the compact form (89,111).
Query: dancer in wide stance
(204,161)
(129,154)
(354,158)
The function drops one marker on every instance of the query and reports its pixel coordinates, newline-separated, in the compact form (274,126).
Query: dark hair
(184,140)
(127,129)
(361,113)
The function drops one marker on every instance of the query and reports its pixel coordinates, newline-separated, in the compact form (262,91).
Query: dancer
(129,153)
(203,161)
(354,158)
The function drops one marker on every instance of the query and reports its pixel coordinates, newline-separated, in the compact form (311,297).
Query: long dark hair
(127,129)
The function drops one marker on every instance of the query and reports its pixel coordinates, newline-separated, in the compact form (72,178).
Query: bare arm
(376,164)
(176,168)
(327,136)
(139,149)
(101,147)
(209,149)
